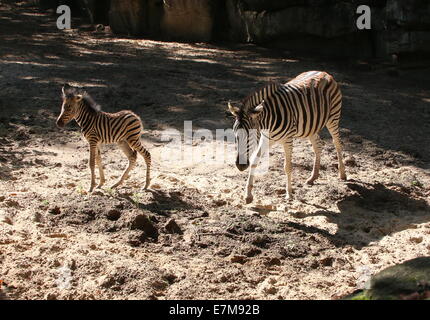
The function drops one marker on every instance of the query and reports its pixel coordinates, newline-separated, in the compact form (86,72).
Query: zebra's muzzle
(242,167)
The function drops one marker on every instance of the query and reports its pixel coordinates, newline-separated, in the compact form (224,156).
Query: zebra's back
(305,105)
(117,127)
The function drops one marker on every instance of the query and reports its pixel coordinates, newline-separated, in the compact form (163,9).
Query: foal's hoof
(249,199)
(310,182)
(116,185)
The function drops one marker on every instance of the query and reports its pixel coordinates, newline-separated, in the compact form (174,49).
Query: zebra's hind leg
(100,166)
(92,164)
(132,156)
(316,145)
(333,128)
(288,150)
(136,145)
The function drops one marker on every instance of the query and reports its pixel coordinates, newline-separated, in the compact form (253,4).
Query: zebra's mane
(259,95)
(88,100)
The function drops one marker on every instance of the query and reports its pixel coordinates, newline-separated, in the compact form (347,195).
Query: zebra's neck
(85,116)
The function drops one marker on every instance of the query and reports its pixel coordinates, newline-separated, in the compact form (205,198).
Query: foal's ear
(79,97)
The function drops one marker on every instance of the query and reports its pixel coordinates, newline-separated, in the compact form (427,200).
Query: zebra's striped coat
(298,108)
(123,128)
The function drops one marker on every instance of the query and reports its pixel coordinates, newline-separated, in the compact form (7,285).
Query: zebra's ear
(233,110)
(257,110)
(79,97)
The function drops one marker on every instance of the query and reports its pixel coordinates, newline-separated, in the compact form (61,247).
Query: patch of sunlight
(102,63)
(205,61)
(31,63)
(28,78)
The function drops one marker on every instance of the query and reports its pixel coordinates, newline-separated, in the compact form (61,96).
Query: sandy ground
(58,242)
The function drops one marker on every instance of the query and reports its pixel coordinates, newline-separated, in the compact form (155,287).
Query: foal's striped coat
(123,128)
(299,108)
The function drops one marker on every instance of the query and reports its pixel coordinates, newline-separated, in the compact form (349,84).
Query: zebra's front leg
(316,145)
(255,159)
(288,149)
(92,163)
(100,166)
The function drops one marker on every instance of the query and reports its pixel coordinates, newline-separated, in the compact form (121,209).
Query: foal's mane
(88,100)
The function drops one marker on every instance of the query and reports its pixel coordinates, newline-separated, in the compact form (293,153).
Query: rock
(272,261)
(323,27)
(54,210)
(190,20)
(135,239)
(113,215)
(327,262)
(97,11)
(38,217)
(172,227)
(219,203)
(409,280)
(7,219)
(350,161)
(142,222)
(51,296)
(411,14)
(238,259)
(416,239)
(135,17)
(281,191)
(260,241)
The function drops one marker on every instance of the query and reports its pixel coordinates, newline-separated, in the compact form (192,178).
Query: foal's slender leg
(132,156)
(100,166)
(316,145)
(137,146)
(288,150)
(92,162)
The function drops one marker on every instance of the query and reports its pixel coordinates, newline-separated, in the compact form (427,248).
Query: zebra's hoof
(310,182)
(343,177)
(249,199)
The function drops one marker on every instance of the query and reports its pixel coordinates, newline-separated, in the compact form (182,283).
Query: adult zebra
(281,112)
(123,128)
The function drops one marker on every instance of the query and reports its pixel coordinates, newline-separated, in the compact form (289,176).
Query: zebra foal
(123,128)
(281,112)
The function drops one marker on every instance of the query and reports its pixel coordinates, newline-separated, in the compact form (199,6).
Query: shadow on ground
(370,213)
